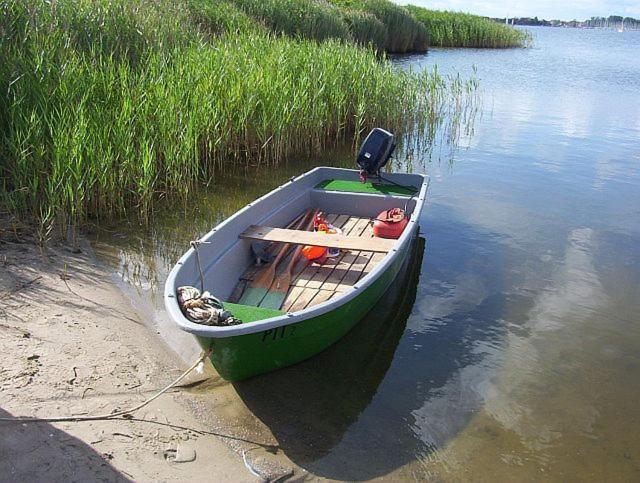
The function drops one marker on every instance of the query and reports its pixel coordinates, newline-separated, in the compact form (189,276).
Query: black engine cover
(376,151)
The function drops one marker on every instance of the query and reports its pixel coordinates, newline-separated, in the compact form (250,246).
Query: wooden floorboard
(312,283)
(317,282)
(312,268)
(310,297)
(303,277)
(346,262)
(238,291)
(361,259)
(324,271)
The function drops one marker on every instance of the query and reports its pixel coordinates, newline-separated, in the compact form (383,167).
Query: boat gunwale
(287,318)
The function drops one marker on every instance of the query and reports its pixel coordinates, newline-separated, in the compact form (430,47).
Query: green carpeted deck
(247,313)
(368,187)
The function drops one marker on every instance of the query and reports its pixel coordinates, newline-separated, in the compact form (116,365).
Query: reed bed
(106,107)
(366,29)
(457,29)
(380,23)
(307,19)
(403,32)
(219,17)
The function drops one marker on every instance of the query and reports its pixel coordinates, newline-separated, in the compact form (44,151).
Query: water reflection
(310,407)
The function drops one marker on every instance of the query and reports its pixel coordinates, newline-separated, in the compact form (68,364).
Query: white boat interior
(227,260)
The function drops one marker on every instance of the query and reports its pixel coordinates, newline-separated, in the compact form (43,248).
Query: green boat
(322,301)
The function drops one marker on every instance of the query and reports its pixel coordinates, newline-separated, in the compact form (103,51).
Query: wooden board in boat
(317,283)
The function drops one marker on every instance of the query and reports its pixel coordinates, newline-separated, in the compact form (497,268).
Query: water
(515,352)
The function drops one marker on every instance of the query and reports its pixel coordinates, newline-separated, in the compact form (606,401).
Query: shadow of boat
(309,406)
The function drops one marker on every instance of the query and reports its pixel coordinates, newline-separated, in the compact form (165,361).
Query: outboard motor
(375,152)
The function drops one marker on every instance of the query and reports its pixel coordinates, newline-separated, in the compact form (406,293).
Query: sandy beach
(72,344)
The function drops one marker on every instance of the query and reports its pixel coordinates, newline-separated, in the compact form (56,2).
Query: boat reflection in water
(309,406)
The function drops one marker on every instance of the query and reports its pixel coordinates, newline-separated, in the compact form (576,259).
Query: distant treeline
(612,21)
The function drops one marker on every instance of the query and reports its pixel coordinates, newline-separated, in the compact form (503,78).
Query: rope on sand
(58,419)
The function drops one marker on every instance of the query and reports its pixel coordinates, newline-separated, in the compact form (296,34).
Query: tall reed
(221,16)
(107,106)
(379,23)
(457,29)
(403,32)
(366,29)
(308,19)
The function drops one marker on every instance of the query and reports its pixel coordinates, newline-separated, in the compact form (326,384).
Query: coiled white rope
(204,308)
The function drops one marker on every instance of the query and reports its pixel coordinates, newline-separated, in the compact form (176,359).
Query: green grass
(108,106)
(457,29)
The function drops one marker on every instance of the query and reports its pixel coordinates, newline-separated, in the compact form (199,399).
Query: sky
(547,9)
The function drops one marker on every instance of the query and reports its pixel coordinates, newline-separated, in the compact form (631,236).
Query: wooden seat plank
(299,237)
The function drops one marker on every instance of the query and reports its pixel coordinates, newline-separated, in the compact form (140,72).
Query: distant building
(611,22)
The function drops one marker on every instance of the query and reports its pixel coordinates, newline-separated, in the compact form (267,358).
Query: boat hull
(243,356)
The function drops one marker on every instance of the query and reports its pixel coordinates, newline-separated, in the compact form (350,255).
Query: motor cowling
(376,151)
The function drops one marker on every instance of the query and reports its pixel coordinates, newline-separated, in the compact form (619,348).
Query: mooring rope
(58,419)
(195,244)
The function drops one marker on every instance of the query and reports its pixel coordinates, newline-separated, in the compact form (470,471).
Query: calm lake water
(511,350)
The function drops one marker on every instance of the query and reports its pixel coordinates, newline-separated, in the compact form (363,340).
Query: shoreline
(73,344)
